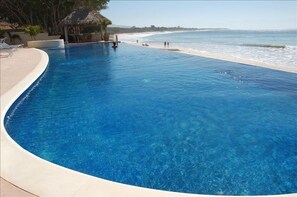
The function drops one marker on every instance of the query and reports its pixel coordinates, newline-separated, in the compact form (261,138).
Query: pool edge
(223,58)
(42,178)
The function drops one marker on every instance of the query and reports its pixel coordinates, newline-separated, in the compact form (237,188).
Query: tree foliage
(33,30)
(46,13)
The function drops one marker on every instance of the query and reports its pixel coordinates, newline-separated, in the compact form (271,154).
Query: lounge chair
(4,45)
(8,49)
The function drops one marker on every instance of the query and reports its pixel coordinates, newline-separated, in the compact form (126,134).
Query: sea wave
(265,45)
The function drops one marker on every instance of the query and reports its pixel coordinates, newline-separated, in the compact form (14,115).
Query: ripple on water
(162,120)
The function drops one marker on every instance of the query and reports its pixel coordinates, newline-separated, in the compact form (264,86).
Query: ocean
(271,47)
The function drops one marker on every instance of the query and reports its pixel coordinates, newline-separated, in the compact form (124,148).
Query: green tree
(46,13)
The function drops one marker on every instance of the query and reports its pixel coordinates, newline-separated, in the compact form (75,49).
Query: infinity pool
(162,120)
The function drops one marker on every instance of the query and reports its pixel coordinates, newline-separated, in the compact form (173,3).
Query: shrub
(33,30)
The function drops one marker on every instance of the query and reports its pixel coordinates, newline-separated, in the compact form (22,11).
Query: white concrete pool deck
(23,171)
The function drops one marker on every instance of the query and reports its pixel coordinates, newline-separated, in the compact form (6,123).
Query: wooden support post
(66,34)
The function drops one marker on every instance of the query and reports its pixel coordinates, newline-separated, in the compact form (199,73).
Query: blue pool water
(163,120)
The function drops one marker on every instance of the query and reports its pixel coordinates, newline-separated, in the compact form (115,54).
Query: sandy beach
(138,39)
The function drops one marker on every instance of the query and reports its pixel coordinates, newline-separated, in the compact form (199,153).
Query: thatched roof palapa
(7,26)
(83,17)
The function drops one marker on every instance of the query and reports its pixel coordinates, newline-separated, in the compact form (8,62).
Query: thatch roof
(83,17)
(7,26)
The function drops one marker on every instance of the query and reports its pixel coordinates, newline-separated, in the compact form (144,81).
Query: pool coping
(43,178)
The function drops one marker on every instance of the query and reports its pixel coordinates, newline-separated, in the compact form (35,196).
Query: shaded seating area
(81,26)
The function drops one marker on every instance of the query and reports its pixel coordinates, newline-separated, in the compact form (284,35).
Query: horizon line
(226,28)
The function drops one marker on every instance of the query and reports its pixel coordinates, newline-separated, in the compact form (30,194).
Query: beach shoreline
(136,39)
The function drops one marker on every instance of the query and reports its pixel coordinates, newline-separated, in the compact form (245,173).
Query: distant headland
(125,29)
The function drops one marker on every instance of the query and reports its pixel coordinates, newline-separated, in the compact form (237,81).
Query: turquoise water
(163,120)
(271,47)
(232,37)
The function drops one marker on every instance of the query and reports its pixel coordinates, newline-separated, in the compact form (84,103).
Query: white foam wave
(141,37)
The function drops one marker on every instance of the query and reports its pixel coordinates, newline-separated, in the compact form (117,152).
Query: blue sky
(239,14)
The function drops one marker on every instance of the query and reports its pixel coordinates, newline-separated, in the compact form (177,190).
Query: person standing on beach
(165,44)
